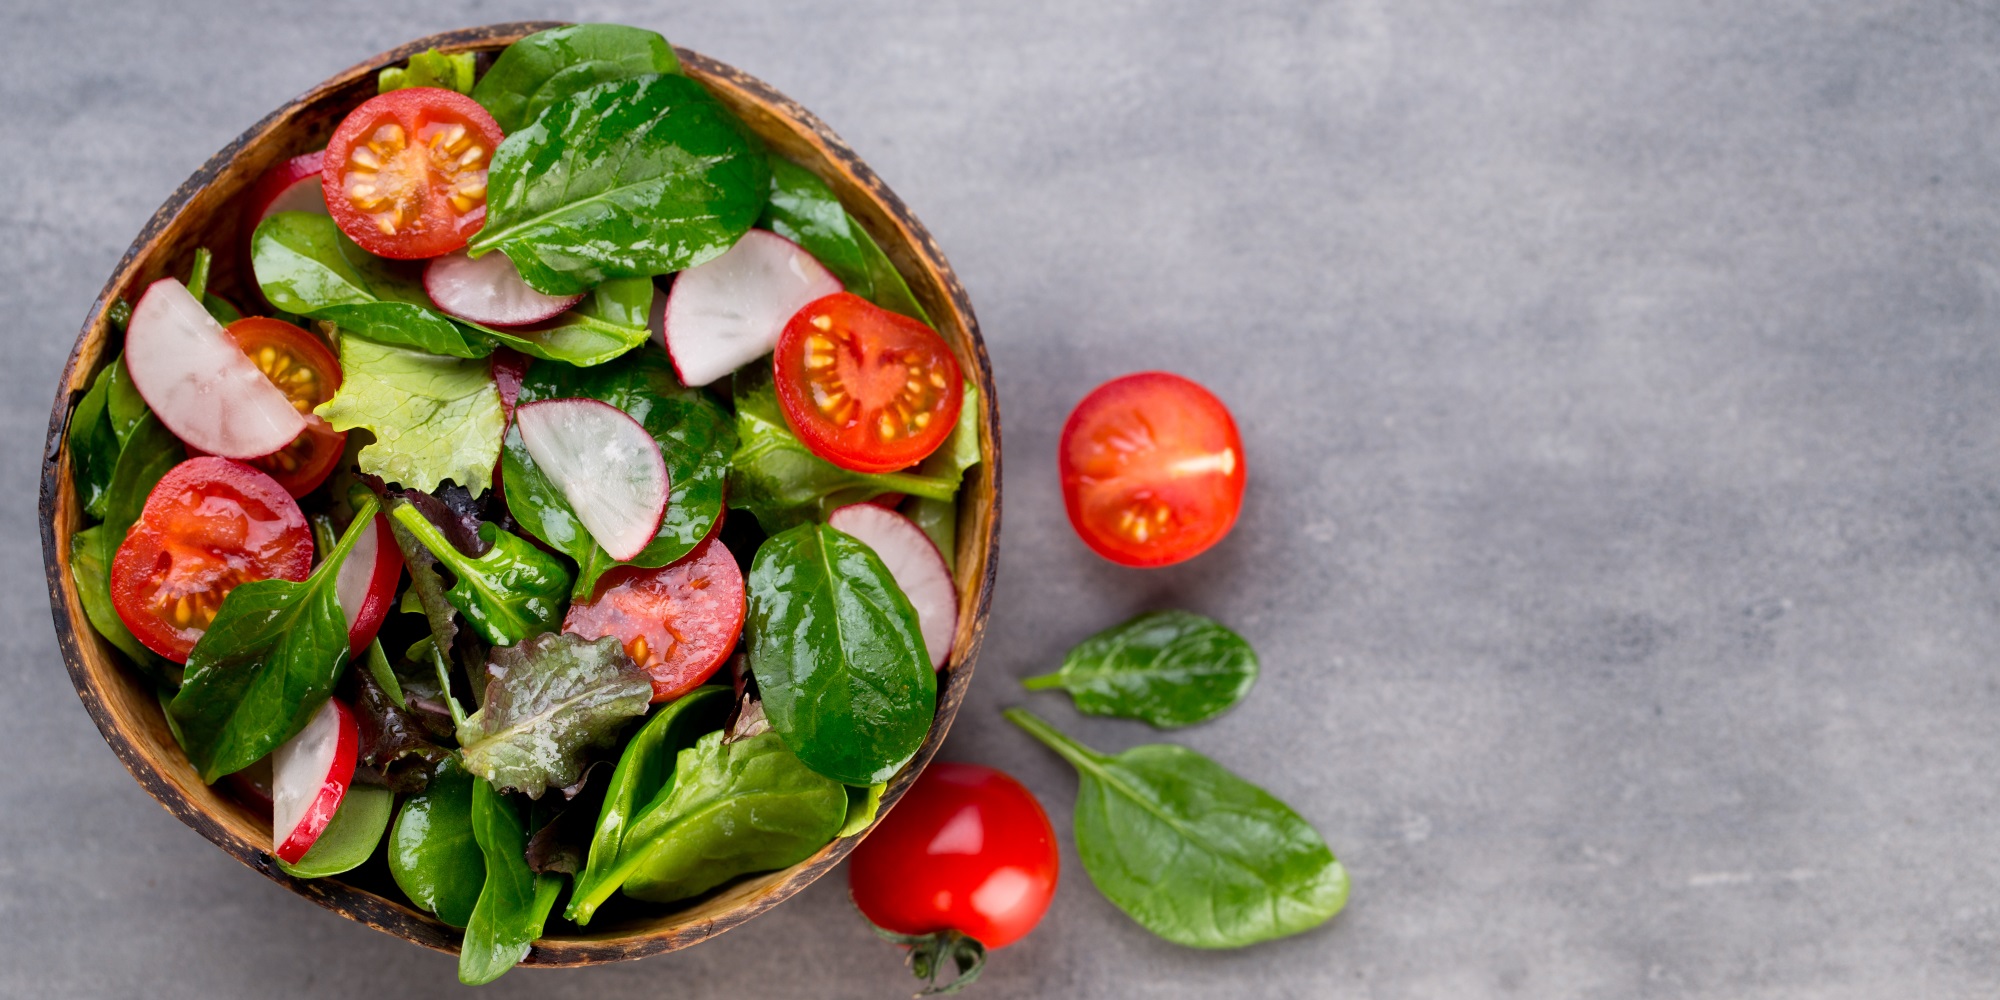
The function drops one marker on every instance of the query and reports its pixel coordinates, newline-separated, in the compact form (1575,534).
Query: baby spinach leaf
(610,321)
(512,592)
(626,179)
(265,665)
(938,520)
(1169,668)
(645,767)
(695,440)
(147,451)
(433,854)
(551,698)
(547,66)
(838,659)
(429,68)
(775,477)
(306,265)
(350,837)
(862,805)
(93,446)
(1192,852)
(804,210)
(434,418)
(122,402)
(514,903)
(731,809)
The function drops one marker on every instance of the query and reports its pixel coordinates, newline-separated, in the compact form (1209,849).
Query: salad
(570,520)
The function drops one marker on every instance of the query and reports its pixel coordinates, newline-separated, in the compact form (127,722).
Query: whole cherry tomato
(965,862)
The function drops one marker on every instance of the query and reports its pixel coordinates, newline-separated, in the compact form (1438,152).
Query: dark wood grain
(206,210)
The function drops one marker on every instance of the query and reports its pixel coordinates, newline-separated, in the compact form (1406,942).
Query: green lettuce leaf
(429,68)
(549,700)
(434,418)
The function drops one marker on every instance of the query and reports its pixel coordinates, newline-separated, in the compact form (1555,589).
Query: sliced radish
(199,383)
(915,563)
(728,312)
(367,583)
(295,185)
(489,291)
(309,776)
(607,466)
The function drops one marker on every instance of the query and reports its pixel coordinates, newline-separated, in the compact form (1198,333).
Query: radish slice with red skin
(199,383)
(309,776)
(295,185)
(913,560)
(607,466)
(367,583)
(490,291)
(727,312)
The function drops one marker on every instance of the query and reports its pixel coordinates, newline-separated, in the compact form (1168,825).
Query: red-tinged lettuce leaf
(399,747)
(548,701)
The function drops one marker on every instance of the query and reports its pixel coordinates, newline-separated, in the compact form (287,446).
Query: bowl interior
(207,210)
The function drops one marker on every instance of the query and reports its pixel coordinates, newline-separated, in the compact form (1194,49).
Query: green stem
(385,676)
(349,539)
(197,284)
(1044,682)
(444,684)
(1080,757)
(928,487)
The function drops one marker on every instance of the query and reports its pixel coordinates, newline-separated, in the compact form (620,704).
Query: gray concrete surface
(1619,381)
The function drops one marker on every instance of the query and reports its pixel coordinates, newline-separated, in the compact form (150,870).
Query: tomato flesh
(405,173)
(967,848)
(865,388)
(1152,469)
(210,525)
(300,365)
(679,622)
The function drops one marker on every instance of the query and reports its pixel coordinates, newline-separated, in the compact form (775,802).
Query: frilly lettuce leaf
(434,418)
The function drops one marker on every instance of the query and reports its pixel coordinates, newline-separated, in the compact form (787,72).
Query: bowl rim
(390,916)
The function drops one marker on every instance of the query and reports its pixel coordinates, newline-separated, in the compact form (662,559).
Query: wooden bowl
(207,211)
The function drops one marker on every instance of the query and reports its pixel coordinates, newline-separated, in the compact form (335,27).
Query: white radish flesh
(728,312)
(489,290)
(607,466)
(357,574)
(914,561)
(199,383)
(309,776)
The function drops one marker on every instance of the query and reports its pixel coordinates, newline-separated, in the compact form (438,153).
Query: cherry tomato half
(1152,469)
(301,365)
(680,622)
(967,849)
(865,388)
(209,525)
(405,173)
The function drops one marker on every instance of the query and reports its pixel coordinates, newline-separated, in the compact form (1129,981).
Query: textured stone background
(1619,385)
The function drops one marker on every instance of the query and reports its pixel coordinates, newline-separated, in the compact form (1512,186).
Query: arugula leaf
(837,655)
(350,837)
(730,809)
(775,477)
(695,441)
(514,903)
(550,699)
(626,179)
(433,418)
(1168,668)
(306,265)
(512,592)
(265,665)
(433,853)
(548,66)
(610,321)
(804,210)
(429,68)
(645,767)
(1192,852)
